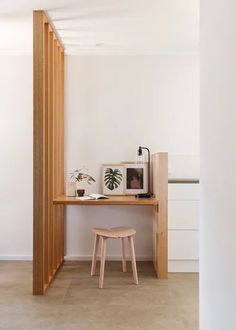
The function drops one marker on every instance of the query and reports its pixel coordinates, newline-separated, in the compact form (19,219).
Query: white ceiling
(105,26)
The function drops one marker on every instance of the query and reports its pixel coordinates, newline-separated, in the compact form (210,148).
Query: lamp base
(146,195)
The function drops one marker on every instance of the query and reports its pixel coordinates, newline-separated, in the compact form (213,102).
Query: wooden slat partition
(160,218)
(48,245)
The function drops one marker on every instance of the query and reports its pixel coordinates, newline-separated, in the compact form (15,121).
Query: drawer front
(183,191)
(183,245)
(183,215)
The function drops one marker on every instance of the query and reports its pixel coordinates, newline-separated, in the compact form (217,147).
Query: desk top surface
(112,200)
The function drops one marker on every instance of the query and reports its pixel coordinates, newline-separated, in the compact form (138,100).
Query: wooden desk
(159,237)
(112,200)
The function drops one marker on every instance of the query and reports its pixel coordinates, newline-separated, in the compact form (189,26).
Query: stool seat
(115,232)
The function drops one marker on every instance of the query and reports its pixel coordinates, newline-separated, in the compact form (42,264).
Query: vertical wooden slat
(39,155)
(48,153)
(58,153)
(54,154)
(50,150)
(62,155)
(60,182)
(51,101)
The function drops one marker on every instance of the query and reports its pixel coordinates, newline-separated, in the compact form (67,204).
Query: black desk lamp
(140,156)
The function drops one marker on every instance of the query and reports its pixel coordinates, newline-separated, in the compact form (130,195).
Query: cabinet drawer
(183,214)
(183,245)
(183,191)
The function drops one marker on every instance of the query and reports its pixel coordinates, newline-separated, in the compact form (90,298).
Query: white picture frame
(135,178)
(113,179)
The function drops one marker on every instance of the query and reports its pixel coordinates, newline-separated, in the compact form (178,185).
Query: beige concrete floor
(75,302)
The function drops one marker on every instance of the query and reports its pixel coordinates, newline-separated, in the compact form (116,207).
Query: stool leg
(133,261)
(122,243)
(102,265)
(95,252)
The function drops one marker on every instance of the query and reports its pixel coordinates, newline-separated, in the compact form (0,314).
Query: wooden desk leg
(160,214)
(160,243)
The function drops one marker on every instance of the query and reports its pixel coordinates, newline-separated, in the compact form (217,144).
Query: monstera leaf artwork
(112,178)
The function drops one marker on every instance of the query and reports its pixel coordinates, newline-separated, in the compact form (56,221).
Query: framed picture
(136,178)
(113,179)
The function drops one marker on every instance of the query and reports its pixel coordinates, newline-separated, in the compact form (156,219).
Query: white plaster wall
(114,104)
(16,160)
(218,164)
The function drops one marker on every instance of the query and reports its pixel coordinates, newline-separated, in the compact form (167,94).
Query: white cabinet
(183,192)
(183,214)
(183,245)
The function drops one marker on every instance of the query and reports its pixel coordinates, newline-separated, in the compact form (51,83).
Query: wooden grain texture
(112,200)
(48,251)
(160,216)
(39,155)
(47,154)
(62,170)
(50,149)
(55,152)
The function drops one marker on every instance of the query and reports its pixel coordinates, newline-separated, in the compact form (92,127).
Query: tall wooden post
(160,216)
(48,233)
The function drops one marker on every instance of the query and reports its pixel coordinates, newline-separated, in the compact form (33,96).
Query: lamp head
(140,152)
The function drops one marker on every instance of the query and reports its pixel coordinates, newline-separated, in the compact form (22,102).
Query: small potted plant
(79,176)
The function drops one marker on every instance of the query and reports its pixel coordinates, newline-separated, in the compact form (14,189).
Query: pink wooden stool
(117,232)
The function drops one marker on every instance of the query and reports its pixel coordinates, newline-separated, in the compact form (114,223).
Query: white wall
(16,157)
(218,164)
(113,105)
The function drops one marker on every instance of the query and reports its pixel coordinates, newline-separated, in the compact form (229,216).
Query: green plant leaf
(79,176)
(112,178)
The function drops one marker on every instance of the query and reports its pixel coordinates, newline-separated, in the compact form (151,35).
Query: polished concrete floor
(75,302)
